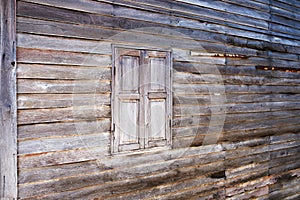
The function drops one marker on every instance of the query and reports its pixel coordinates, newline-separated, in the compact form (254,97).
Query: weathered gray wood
(8,107)
(202,35)
(184,100)
(238,189)
(39,56)
(186,135)
(205,118)
(58,171)
(189,89)
(63,72)
(198,110)
(63,44)
(190,11)
(259,132)
(231,70)
(99,33)
(61,157)
(249,4)
(61,129)
(137,164)
(61,144)
(259,140)
(189,78)
(38,86)
(181,22)
(27,101)
(83,5)
(228,8)
(63,114)
(98,180)
(284,152)
(33,9)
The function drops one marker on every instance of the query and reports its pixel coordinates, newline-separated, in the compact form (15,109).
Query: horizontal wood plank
(38,86)
(63,114)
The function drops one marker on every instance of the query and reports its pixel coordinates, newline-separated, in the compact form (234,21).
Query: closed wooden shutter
(141,99)
(158,101)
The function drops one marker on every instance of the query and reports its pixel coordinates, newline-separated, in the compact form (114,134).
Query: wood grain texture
(8,107)
(235,75)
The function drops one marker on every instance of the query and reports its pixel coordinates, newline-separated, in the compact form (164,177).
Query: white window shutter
(127,100)
(158,99)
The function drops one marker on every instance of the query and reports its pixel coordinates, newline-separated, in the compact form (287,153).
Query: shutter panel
(158,101)
(141,99)
(127,100)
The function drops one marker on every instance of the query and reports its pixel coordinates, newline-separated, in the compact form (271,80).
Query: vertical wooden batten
(8,107)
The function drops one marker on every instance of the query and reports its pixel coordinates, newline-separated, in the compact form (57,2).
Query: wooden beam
(8,130)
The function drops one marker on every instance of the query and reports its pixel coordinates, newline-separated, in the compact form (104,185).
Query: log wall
(236,100)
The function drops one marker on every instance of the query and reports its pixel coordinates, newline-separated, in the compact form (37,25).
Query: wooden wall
(8,105)
(233,57)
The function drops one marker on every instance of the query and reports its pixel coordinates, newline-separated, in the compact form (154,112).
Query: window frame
(114,147)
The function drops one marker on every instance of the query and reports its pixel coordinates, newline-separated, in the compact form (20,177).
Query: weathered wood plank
(62,72)
(27,101)
(35,131)
(61,157)
(255,193)
(186,78)
(63,44)
(98,179)
(282,12)
(205,186)
(35,116)
(48,145)
(187,23)
(233,89)
(276,166)
(205,118)
(201,182)
(229,8)
(249,4)
(38,86)
(194,135)
(274,123)
(287,184)
(89,168)
(83,5)
(285,21)
(28,25)
(8,107)
(244,152)
(24,9)
(33,175)
(287,5)
(39,56)
(285,137)
(284,152)
(260,132)
(129,13)
(251,186)
(210,190)
(218,29)
(194,12)
(246,173)
(231,70)
(145,37)
(182,100)
(234,108)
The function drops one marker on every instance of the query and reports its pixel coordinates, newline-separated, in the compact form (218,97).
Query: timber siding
(246,52)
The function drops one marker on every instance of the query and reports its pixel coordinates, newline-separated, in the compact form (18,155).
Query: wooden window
(141,100)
